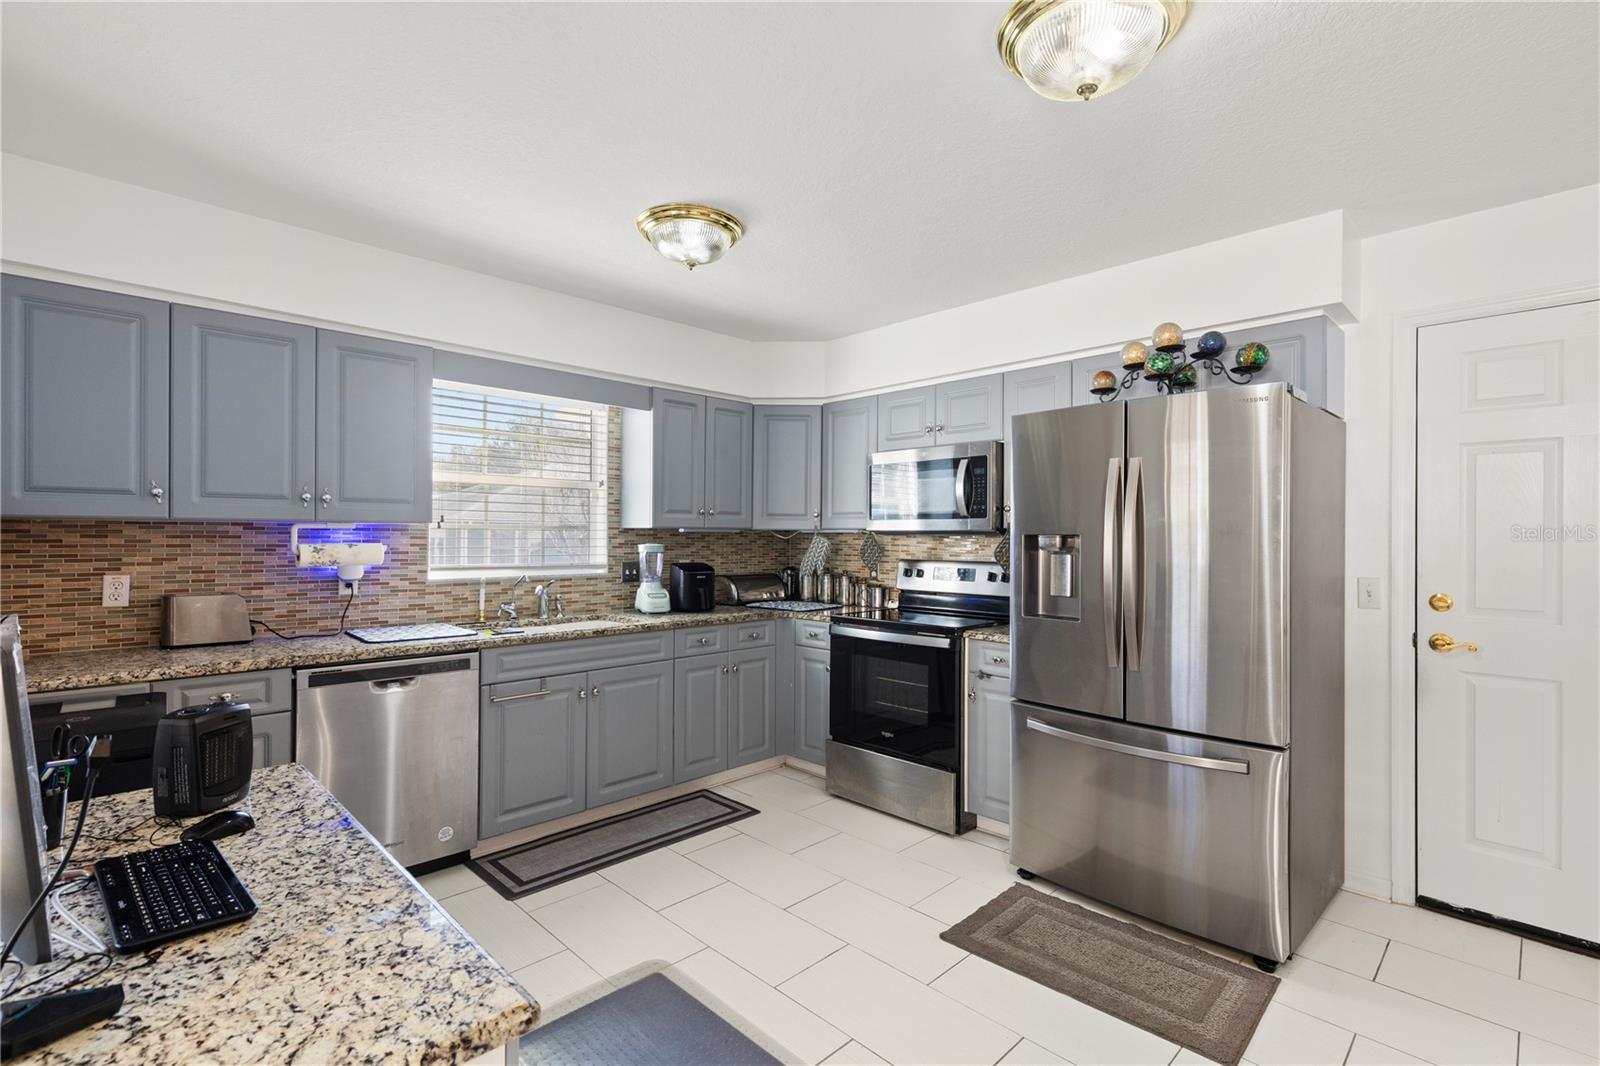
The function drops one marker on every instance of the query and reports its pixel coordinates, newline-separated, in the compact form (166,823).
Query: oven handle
(961,489)
(886,637)
(1231,766)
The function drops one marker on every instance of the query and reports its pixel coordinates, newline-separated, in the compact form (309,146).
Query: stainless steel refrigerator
(1177,631)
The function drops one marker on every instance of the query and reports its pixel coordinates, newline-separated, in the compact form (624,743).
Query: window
(519,484)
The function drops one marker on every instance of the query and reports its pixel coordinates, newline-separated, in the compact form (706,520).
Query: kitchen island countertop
(123,666)
(346,960)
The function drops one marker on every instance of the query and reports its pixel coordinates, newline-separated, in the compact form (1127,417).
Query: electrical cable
(93,941)
(355,587)
(66,860)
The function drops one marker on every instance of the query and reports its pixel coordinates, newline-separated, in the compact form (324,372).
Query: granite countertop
(69,670)
(346,960)
(993,634)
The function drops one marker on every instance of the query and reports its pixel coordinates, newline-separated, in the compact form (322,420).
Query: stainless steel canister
(876,595)
(825,586)
(808,586)
(846,590)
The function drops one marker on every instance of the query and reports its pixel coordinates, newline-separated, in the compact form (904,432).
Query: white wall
(72,226)
(1531,247)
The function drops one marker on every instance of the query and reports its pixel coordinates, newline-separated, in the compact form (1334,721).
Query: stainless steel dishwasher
(397,743)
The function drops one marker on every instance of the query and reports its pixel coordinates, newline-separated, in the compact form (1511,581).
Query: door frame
(1403,554)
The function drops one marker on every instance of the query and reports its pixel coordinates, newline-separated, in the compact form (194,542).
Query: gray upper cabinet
(752,705)
(532,755)
(849,437)
(374,430)
(969,410)
(700,717)
(86,402)
(679,459)
(906,419)
(811,681)
(729,428)
(244,403)
(1038,388)
(630,731)
(788,467)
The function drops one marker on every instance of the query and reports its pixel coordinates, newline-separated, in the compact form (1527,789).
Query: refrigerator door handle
(1230,766)
(1133,562)
(1109,600)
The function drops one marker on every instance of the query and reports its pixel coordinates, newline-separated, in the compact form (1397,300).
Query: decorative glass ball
(1212,343)
(1105,381)
(1184,377)
(1160,364)
(1168,337)
(1251,357)
(1134,353)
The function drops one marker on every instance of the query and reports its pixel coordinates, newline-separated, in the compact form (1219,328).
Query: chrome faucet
(507,611)
(542,590)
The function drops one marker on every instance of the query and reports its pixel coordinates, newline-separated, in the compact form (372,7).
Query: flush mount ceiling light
(691,234)
(1084,49)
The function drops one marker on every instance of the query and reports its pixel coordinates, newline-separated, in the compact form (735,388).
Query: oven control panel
(962,577)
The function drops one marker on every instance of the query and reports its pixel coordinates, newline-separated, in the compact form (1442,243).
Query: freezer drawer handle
(1232,766)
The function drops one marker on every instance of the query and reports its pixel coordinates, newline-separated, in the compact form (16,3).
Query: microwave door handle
(962,485)
(1133,562)
(1109,597)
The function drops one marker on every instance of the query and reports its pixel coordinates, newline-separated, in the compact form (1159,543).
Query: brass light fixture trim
(1024,13)
(651,218)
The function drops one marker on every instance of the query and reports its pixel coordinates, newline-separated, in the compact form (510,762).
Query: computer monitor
(22,873)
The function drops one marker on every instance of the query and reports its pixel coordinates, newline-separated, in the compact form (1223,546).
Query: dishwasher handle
(379,678)
(396,684)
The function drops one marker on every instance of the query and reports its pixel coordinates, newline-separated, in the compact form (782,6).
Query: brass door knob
(1444,642)
(1441,602)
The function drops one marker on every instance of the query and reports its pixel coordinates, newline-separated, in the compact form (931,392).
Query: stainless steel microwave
(954,488)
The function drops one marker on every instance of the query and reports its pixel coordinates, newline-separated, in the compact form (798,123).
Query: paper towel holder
(350,571)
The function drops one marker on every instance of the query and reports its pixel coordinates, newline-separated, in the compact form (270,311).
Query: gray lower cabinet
(1038,388)
(533,745)
(374,430)
(752,705)
(264,690)
(849,437)
(811,682)
(989,745)
(700,717)
(630,731)
(85,386)
(788,467)
(906,419)
(969,410)
(272,739)
(244,404)
(729,428)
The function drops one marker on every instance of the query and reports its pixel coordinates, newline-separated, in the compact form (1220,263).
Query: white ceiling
(884,163)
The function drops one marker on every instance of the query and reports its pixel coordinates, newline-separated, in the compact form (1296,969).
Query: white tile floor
(819,922)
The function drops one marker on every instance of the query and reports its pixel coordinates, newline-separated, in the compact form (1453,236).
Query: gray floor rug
(550,860)
(655,1016)
(1188,996)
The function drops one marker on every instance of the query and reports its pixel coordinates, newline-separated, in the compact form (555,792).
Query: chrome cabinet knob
(736,669)
(971,695)
(582,695)
(724,669)
(595,691)
(927,428)
(327,497)
(305,497)
(939,428)
(701,511)
(157,491)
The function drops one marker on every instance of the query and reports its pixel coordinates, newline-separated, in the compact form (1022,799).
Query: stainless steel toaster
(188,619)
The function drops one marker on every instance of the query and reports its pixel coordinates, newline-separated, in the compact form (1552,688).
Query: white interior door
(1508,749)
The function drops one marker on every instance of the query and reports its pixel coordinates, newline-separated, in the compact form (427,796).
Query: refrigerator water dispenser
(1050,578)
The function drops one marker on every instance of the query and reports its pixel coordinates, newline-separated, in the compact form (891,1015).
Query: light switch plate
(1369,593)
(114,590)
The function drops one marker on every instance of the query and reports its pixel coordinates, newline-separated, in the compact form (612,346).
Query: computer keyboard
(169,892)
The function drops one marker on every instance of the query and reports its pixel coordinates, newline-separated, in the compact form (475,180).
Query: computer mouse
(219,825)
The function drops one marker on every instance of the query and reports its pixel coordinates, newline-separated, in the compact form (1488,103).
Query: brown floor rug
(1188,996)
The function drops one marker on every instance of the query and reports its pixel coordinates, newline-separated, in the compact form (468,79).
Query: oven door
(955,488)
(895,693)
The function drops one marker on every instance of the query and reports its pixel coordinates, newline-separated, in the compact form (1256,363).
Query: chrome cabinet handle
(927,428)
(327,497)
(595,691)
(724,669)
(582,695)
(1109,600)
(519,696)
(752,636)
(983,676)
(999,660)
(827,669)
(736,669)
(305,497)
(1133,562)
(713,511)
(701,511)
(1231,766)
(939,428)
(971,695)
(157,491)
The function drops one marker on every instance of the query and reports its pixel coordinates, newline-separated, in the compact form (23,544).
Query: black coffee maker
(692,586)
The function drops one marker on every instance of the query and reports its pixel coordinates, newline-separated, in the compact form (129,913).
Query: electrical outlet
(630,573)
(114,590)
(1369,594)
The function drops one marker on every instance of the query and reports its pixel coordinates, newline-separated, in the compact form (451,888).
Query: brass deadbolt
(1440,602)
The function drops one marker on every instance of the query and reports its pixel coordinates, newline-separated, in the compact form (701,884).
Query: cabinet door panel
(532,745)
(849,437)
(85,402)
(679,456)
(630,731)
(811,703)
(700,717)
(788,467)
(374,429)
(271,739)
(970,410)
(244,402)
(729,429)
(264,690)
(1039,388)
(752,705)
(906,419)
(989,746)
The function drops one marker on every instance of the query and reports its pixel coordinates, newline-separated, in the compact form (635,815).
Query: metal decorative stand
(1172,368)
